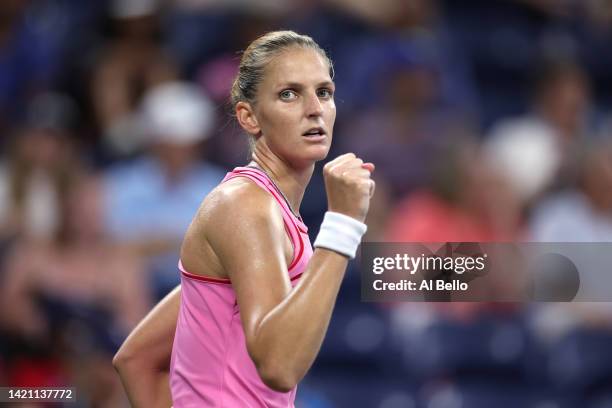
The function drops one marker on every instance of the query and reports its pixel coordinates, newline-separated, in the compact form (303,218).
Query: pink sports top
(210,365)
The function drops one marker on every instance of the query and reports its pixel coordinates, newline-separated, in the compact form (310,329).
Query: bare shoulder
(238,201)
(236,213)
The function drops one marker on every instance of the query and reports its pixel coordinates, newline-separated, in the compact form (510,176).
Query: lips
(313,132)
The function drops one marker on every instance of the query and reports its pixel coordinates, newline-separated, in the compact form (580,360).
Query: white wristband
(340,233)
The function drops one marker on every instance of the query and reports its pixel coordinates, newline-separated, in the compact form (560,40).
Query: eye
(287,94)
(325,93)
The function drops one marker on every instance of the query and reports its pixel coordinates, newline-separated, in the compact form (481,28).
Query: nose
(314,107)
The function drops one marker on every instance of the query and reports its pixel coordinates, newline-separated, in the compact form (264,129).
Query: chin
(310,157)
(318,153)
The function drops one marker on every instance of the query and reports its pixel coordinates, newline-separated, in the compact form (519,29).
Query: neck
(290,180)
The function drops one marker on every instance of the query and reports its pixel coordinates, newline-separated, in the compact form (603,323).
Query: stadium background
(487,120)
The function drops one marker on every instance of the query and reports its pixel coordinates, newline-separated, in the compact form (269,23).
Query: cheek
(277,120)
(286,123)
(331,114)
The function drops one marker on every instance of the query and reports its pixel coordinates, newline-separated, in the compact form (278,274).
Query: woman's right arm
(143,361)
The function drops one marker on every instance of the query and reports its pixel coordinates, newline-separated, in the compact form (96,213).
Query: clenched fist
(349,185)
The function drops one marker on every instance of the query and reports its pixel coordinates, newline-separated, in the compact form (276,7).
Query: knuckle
(330,171)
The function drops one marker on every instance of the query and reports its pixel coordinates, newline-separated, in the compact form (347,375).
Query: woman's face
(295,109)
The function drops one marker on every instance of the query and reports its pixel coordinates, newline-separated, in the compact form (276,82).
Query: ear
(247,119)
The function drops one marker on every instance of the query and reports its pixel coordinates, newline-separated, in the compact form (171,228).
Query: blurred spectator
(582,214)
(406,90)
(150,201)
(68,303)
(403,132)
(131,63)
(536,151)
(410,37)
(468,201)
(76,267)
(40,167)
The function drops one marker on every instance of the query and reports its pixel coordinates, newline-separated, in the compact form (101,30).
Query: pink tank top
(210,365)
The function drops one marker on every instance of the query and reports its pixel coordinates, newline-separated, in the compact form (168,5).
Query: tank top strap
(293,225)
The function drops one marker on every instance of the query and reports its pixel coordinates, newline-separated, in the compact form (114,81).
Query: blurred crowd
(487,121)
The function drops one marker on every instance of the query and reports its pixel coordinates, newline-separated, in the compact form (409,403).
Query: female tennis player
(255,301)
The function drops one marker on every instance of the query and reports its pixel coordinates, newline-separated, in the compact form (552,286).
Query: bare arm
(284,327)
(143,361)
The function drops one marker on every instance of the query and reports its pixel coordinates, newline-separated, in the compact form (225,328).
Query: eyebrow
(298,85)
